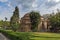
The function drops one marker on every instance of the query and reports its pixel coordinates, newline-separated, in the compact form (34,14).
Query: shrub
(15,35)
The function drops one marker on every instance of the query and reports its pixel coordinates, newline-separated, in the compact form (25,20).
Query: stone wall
(26,24)
(43,25)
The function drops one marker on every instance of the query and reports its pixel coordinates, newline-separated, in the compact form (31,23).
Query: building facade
(44,25)
(26,24)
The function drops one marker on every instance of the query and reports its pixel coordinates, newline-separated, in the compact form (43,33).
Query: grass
(32,35)
(15,35)
(45,36)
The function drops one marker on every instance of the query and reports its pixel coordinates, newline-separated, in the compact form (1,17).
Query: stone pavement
(2,37)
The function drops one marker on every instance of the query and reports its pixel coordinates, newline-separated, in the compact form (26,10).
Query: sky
(42,6)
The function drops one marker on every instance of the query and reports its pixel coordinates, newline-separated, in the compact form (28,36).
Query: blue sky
(25,6)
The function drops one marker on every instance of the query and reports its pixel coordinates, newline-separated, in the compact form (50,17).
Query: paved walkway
(2,37)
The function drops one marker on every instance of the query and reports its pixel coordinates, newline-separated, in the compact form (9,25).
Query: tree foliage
(55,21)
(4,23)
(14,21)
(35,19)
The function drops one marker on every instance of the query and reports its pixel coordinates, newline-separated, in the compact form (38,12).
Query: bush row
(15,35)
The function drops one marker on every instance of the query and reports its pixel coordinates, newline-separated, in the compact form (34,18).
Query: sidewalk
(2,37)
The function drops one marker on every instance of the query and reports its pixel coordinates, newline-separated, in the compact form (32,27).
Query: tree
(14,21)
(5,18)
(35,19)
(55,22)
(4,24)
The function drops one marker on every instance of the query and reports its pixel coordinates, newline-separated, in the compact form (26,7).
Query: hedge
(15,35)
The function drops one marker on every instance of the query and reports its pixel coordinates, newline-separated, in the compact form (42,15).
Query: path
(2,37)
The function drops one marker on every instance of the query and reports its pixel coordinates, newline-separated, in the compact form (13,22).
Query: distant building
(26,24)
(44,25)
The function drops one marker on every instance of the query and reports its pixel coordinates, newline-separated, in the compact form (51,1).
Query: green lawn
(45,36)
(31,35)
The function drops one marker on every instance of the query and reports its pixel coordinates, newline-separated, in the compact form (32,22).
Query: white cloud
(4,14)
(34,5)
(9,4)
(3,0)
(57,0)
(54,0)
(49,0)
(54,8)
